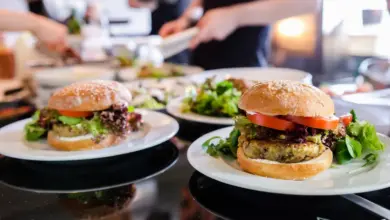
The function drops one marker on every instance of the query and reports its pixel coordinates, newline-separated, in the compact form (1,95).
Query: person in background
(49,32)
(235,33)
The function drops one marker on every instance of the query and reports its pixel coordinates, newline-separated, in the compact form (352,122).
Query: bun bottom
(86,144)
(286,171)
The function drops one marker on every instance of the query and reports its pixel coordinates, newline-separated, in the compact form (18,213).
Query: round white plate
(61,76)
(157,128)
(130,74)
(174,108)
(255,74)
(334,181)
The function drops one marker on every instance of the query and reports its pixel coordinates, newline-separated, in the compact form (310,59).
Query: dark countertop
(177,193)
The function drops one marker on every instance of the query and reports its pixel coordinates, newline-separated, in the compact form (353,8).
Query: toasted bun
(86,144)
(287,171)
(89,96)
(287,98)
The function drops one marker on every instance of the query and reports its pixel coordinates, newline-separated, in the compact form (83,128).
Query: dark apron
(246,47)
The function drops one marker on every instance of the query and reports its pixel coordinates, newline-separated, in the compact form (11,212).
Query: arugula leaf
(69,120)
(370,159)
(208,141)
(227,147)
(354,118)
(33,132)
(353,146)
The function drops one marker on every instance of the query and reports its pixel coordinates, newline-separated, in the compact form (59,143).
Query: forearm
(270,11)
(17,21)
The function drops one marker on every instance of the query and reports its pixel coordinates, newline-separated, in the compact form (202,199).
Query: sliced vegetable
(270,121)
(346,119)
(75,114)
(326,123)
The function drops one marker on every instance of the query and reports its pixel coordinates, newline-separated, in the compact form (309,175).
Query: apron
(245,47)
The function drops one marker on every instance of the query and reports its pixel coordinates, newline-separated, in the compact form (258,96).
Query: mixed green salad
(213,99)
(353,140)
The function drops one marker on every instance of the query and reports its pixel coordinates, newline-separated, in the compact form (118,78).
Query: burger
(85,115)
(287,130)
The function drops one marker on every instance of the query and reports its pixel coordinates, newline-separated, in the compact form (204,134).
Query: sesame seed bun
(287,98)
(89,96)
(83,144)
(286,171)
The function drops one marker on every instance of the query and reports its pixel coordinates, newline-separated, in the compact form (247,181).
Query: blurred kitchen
(331,45)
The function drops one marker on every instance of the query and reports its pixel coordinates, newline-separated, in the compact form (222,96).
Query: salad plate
(174,108)
(212,102)
(157,129)
(254,74)
(337,180)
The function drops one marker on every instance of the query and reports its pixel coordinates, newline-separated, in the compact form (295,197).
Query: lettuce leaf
(69,120)
(95,126)
(33,132)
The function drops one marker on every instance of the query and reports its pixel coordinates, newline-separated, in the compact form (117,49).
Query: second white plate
(334,181)
(157,128)
(174,108)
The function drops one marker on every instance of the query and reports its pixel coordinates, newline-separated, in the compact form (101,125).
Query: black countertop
(166,188)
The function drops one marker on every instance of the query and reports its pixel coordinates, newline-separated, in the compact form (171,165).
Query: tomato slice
(326,123)
(270,121)
(75,114)
(346,119)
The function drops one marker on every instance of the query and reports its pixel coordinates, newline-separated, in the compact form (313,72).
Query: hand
(151,4)
(50,33)
(216,24)
(173,27)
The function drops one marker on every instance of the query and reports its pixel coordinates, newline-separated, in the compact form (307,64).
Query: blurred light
(291,27)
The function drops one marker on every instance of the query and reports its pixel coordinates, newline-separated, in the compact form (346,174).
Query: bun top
(284,97)
(93,95)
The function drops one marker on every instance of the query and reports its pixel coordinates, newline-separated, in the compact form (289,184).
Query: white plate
(66,75)
(256,74)
(130,73)
(157,129)
(334,181)
(174,108)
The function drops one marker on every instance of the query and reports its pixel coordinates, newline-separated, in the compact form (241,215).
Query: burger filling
(118,120)
(293,144)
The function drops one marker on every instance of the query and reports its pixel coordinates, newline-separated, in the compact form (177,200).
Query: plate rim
(89,156)
(313,192)
(171,109)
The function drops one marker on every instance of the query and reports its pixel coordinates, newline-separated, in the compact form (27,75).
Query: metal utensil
(375,208)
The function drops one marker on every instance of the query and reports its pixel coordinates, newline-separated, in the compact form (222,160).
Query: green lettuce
(218,100)
(32,131)
(69,120)
(361,139)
